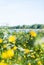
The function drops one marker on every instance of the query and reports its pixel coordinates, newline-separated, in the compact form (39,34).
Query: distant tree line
(35,26)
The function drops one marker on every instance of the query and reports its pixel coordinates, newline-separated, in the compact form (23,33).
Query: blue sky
(19,12)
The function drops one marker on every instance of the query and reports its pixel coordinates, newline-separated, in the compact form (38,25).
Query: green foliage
(27,51)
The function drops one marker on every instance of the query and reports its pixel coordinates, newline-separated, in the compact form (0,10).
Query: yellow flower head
(42,45)
(4,55)
(33,56)
(29,63)
(33,34)
(1,40)
(24,56)
(1,63)
(15,47)
(26,51)
(39,63)
(10,53)
(4,46)
(19,58)
(12,39)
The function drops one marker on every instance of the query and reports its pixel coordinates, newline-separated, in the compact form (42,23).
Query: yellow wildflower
(10,53)
(15,47)
(4,55)
(24,56)
(39,63)
(42,44)
(26,51)
(33,56)
(33,34)
(10,63)
(1,40)
(4,46)
(19,58)
(12,39)
(1,63)
(29,63)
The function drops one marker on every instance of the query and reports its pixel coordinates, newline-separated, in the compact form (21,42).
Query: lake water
(25,30)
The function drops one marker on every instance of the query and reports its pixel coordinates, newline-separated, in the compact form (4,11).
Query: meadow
(21,47)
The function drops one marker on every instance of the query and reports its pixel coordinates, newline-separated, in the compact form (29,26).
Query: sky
(21,12)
